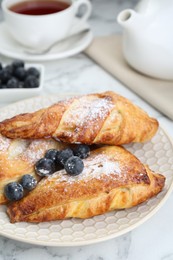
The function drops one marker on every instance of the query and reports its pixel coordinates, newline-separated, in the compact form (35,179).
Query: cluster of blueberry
(15,190)
(15,75)
(70,160)
(54,160)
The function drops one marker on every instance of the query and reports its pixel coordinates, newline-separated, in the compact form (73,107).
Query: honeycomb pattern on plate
(158,154)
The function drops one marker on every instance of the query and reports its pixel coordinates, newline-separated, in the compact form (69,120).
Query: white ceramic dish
(15,94)
(10,48)
(158,154)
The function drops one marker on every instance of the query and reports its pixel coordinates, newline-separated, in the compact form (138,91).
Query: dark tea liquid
(39,7)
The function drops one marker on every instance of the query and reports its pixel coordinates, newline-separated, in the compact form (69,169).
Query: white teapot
(148,37)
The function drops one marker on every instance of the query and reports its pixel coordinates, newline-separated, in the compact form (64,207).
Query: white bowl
(15,94)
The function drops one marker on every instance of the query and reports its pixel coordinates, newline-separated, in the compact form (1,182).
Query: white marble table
(78,74)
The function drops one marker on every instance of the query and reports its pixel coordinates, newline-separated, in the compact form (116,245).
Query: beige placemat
(107,52)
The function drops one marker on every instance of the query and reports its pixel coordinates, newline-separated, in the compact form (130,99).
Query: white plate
(158,154)
(11,48)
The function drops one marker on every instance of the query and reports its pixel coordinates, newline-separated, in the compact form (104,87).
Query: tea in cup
(39,23)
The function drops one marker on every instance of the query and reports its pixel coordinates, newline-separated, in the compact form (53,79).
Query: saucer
(75,44)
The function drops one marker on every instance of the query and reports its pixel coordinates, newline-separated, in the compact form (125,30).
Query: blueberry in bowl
(19,80)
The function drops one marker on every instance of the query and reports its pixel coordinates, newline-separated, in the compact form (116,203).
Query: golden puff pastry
(105,118)
(112,179)
(17,157)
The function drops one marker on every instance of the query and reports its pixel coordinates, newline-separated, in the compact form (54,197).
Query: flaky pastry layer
(105,118)
(112,179)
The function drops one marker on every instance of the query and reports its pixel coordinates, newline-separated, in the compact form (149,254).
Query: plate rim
(94,240)
(45,57)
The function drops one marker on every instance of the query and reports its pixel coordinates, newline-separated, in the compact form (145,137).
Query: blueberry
(82,151)
(20,73)
(34,72)
(63,156)
(28,182)
(13,83)
(31,82)
(45,167)
(74,165)
(4,75)
(15,75)
(13,191)
(51,154)
(9,68)
(18,63)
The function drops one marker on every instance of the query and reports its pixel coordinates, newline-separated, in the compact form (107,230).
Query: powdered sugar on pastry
(96,167)
(4,143)
(36,150)
(85,110)
(17,147)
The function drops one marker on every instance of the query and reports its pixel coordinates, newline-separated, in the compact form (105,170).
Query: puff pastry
(112,179)
(105,118)
(17,157)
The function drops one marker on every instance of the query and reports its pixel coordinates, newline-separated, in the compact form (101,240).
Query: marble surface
(78,74)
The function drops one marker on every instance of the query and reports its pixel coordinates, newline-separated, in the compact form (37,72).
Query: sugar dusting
(17,147)
(36,150)
(94,168)
(25,150)
(88,110)
(4,143)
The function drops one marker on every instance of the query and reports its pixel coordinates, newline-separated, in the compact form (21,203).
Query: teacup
(34,28)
